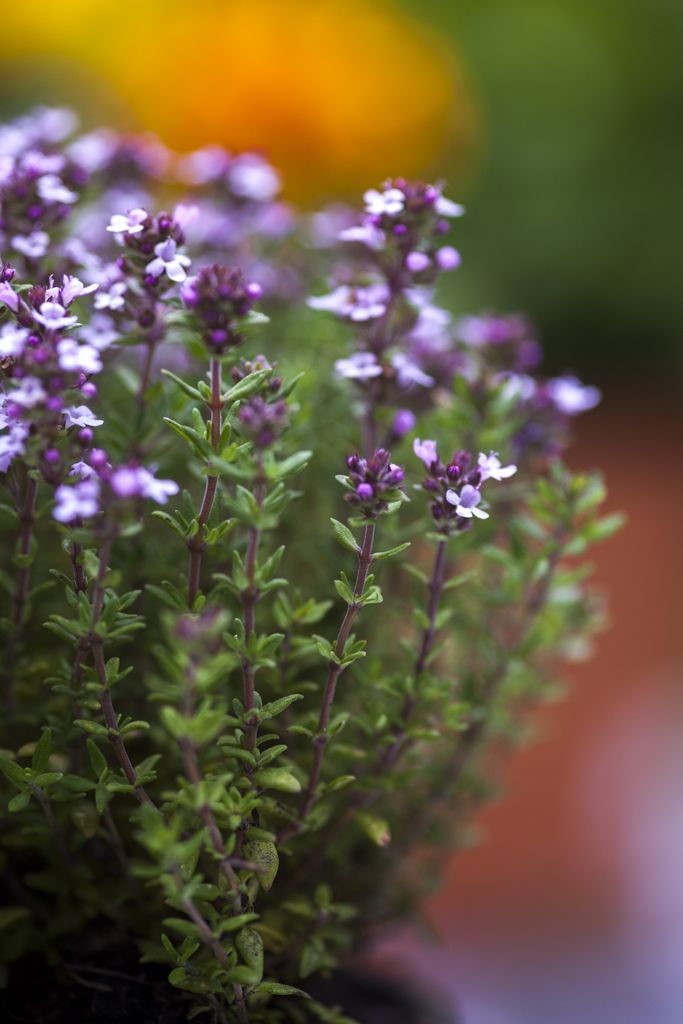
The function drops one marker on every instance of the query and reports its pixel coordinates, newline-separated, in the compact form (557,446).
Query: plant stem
(333,674)
(196,545)
(27,514)
(110,716)
(250,596)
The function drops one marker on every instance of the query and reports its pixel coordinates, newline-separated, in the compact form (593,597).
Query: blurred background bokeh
(558,124)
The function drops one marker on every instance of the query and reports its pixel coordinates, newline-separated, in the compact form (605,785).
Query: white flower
(466,503)
(33,246)
(168,261)
(72,288)
(367,234)
(78,502)
(359,366)
(391,201)
(425,450)
(447,208)
(52,189)
(82,470)
(74,357)
(571,397)
(53,316)
(408,372)
(490,467)
(12,340)
(12,443)
(253,178)
(358,304)
(155,489)
(129,223)
(80,416)
(113,298)
(29,392)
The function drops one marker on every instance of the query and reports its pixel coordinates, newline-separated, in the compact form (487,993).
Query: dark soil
(108,985)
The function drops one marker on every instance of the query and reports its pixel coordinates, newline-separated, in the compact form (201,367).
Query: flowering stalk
(249,598)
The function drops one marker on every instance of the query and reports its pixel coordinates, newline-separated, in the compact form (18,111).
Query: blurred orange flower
(339,93)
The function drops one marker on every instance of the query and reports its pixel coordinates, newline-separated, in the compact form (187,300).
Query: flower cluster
(455,487)
(262,417)
(39,185)
(99,485)
(46,369)
(405,344)
(373,483)
(220,299)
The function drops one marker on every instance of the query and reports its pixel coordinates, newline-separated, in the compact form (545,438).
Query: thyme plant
(266,616)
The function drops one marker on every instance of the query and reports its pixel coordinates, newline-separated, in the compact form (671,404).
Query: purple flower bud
(365,491)
(416,262)
(98,458)
(55,404)
(404,422)
(448,258)
(85,435)
(51,456)
(88,389)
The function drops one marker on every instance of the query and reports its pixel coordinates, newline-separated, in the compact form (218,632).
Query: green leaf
(20,801)
(264,854)
(41,755)
(9,916)
(278,778)
(390,551)
(344,536)
(183,385)
(249,945)
(274,988)
(375,828)
(276,707)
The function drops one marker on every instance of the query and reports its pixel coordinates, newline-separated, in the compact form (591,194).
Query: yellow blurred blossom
(336,92)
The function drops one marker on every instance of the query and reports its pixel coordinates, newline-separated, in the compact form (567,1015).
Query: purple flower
(466,503)
(81,501)
(374,482)
(571,397)
(80,416)
(129,223)
(168,261)
(82,470)
(138,482)
(72,288)
(404,421)
(490,467)
(425,450)
(9,296)
(359,366)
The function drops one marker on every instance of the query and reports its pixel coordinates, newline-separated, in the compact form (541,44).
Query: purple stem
(333,674)
(27,515)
